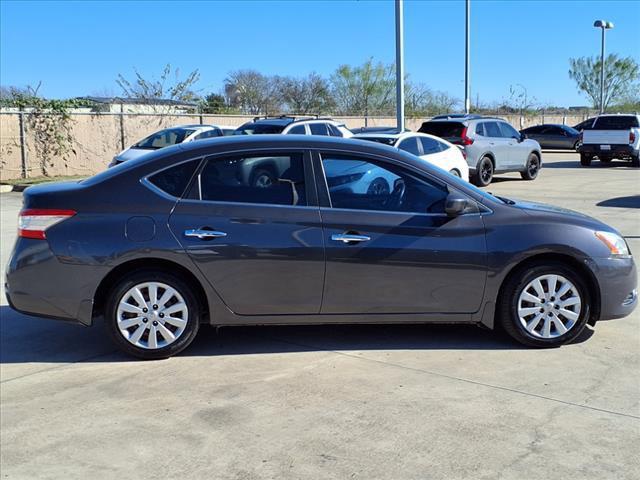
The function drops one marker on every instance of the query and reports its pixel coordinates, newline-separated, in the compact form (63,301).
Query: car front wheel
(544,306)
(152,314)
(585,160)
(532,168)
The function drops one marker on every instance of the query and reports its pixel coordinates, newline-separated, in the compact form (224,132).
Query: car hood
(131,153)
(562,214)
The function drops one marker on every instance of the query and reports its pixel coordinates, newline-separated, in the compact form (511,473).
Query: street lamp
(604,25)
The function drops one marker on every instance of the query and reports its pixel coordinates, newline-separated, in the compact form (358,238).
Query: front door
(248,226)
(390,247)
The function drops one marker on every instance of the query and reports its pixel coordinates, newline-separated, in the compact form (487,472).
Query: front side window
(359,183)
(410,145)
(276,179)
(297,130)
(174,180)
(319,129)
(164,138)
(508,131)
(252,128)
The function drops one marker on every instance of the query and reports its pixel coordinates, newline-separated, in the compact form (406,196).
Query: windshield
(164,138)
(258,129)
(383,140)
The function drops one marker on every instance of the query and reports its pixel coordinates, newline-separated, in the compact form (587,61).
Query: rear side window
(443,129)
(174,180)
(319,129)
(617,122)
(492,130)
(480,129)
(334,131)
(429,145)
(275,179)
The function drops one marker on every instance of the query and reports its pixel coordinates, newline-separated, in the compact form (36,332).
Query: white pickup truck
(609,137)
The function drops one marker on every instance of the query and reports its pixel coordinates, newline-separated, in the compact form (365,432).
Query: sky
(78,48)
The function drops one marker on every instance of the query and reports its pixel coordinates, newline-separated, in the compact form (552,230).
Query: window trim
(418,143)
(324,198)
(307,165)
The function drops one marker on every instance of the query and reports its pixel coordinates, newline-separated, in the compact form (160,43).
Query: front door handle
(349,237)
(203,234)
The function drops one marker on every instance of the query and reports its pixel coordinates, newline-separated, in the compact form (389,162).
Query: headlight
(615,243)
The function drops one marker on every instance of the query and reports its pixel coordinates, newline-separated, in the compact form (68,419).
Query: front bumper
(618,282)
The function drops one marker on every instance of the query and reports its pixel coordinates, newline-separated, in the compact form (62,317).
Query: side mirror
(456,204)
(523,137)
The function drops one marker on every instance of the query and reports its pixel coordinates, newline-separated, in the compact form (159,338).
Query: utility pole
(467,65)
(399,66)
(604,25)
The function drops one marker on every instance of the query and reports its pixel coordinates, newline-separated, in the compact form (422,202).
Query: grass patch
(37,180)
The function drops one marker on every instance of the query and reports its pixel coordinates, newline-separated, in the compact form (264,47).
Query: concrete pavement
(334,402)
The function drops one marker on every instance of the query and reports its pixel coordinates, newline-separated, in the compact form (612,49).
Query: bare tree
(168,87)
(252,92)
(310,94)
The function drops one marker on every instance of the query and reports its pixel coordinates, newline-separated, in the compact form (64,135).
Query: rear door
(251,224)
(395,250)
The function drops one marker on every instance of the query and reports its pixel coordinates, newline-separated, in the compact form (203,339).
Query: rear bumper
(39,283)
(618,282)
(595,149)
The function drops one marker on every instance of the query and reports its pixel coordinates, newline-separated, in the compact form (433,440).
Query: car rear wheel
(263,178)
(532,168)
(484,172)
(585,160)
(606,159)
(152,314)
(544,306)
(635,160)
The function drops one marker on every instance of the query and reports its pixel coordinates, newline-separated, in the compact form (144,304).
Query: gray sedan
(192,239)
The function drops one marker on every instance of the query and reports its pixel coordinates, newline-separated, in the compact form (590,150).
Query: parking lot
(402,402)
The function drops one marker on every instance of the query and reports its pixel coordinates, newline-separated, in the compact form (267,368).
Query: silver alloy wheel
(455,173)
(549,306)
(152,315)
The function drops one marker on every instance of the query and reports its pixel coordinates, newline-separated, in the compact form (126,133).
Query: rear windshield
(443,129)
(164,138)
(618,122)
(383,140)
(258,129)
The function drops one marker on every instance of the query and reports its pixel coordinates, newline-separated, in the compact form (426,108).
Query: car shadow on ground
(632,201)
(595,164)
(25,339)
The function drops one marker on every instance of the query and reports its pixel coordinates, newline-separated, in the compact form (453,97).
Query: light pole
(604,25)
(399,67)
(467,38)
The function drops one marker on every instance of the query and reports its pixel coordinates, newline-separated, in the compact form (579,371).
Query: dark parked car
(378,129)
(554,136)
(190,240)
(585,124)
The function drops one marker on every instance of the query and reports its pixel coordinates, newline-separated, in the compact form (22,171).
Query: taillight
(464,140)
(580,136)
(34,222)
(632,136)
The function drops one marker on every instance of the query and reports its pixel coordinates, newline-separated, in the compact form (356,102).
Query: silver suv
(490,145)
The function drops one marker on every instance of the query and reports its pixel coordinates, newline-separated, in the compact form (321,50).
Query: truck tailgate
(606,137)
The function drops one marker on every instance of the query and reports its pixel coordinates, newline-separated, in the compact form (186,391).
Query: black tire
(532,167)
(507,311)
(635,160)
(606,159)
(140,277)
(585,160)
(263,178)
(576,145)
(484,173)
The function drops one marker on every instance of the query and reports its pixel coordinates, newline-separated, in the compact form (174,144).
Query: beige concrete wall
(97,137)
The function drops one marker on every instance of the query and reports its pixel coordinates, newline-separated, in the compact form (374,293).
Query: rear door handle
(349,237)
(203,234)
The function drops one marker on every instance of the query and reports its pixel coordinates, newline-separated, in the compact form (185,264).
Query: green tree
(214,103)
(621,77)
(366,89)
(310,94)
